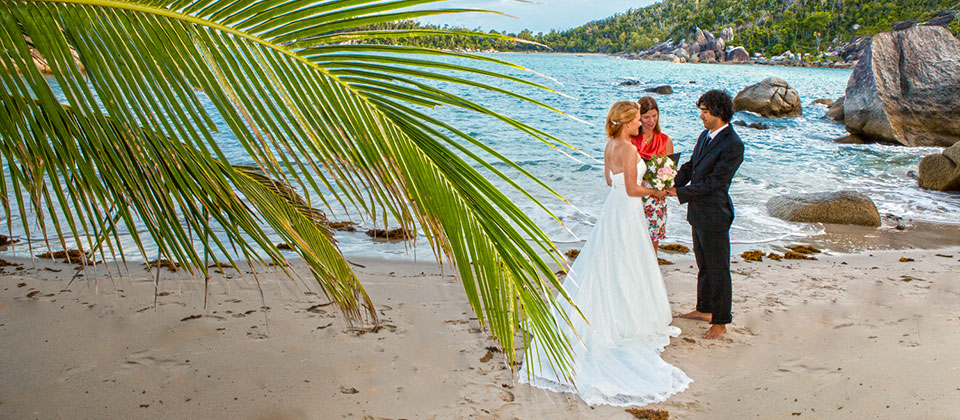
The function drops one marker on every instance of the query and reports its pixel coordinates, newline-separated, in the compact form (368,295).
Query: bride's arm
(630,176)
(607,155)
(606,173)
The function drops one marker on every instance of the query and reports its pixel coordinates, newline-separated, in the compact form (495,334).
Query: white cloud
(539,16)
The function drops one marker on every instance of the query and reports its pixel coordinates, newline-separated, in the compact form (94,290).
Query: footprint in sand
(908,341)
(893,323)
(241,314)
(802,367)
(488,394)
(70,374)
(255,335)
(148,359)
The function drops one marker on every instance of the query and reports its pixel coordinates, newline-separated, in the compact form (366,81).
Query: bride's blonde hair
(621,112)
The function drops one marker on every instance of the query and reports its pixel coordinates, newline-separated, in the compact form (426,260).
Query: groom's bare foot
(716,331)
(697,315)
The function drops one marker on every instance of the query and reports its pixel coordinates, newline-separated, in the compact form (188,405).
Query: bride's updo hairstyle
(620,113)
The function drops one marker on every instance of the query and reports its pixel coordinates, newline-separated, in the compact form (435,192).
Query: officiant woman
(653,142)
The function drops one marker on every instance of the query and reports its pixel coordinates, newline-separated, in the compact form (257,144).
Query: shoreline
(857,334)
(763,61)
(848,239)
(843,65)
(915,235)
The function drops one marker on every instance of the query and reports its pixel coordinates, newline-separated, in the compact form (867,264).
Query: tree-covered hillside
(767,26)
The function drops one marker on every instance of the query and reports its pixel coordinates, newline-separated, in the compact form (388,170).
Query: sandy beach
(849,335)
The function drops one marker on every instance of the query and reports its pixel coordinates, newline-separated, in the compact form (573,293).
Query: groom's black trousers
(714,286)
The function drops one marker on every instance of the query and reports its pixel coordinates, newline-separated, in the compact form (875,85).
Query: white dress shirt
(714,132)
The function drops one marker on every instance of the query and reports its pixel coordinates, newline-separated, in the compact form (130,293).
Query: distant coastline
(632,56)
(828,34)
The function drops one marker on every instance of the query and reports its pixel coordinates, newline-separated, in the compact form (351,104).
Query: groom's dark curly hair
(718,103)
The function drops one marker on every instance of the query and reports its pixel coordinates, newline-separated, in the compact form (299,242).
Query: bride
(616,284)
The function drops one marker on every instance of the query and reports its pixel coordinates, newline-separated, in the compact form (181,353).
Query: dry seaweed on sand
(358,331)
(661,261)
(163,262)
(573,253)
(392,234)
(5,263)
(755,255)
(5,240)
(220,265)
(69,256)
(790,255)
(803,249)
(343,226)
(649,414)
(905,259)
(675,248)
(774,256)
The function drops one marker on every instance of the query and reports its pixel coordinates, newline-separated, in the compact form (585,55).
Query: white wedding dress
(616,283)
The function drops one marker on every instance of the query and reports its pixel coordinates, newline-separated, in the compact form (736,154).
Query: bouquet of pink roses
(660,172)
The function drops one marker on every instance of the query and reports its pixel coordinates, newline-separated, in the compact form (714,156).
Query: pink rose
(666,173)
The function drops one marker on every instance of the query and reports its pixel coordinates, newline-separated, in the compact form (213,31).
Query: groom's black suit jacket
(704,181)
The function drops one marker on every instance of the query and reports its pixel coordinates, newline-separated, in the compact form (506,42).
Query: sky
(537,15)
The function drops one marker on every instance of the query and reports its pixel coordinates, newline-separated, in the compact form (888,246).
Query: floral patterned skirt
(656,211)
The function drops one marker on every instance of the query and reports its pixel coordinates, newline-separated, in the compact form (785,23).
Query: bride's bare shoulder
(618,147)
(610,146)
(626,153)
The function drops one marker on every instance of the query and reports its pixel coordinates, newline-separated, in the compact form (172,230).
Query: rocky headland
(704,47)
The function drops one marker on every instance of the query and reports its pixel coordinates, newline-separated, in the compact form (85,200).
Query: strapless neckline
(641,168)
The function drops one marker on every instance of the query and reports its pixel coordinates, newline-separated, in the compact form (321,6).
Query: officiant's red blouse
(655,209)
(657,146)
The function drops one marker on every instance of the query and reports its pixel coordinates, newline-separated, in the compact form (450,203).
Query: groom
(704,182)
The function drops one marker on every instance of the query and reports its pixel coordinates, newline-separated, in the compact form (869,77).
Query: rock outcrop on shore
(942,19)
(727,34)
(756,125)
(941,171)
(738,55)
(904,89)
(662,90)
(704,47)
(772,97)
(835,110)
(849,139)
(852,50)
(841,207)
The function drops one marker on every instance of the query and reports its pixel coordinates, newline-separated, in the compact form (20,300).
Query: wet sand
(859,335)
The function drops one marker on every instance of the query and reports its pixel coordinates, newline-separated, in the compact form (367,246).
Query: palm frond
(341,121)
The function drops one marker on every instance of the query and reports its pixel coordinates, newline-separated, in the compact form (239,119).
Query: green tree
(313,104)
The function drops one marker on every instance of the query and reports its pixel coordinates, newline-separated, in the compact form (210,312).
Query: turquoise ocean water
(795,155)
